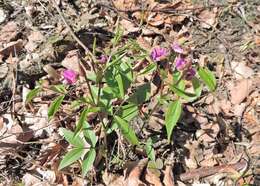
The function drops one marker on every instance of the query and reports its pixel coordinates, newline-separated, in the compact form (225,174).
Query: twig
(164,10)
(207,171)
(87,51)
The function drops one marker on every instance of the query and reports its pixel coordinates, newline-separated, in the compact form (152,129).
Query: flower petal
(70,76)
(177,48)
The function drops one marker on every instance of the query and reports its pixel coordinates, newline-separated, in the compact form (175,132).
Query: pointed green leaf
(208,78)
(172,116)
(141,94)
(71,157)
(128,112)
(54,107)
(89,134)
(149,149)
(149,69)
(185,95)
(59,89)
(120,84)
(71,138)
(32,94)
(197,86)
(88,162)
(127,131)
(81,121)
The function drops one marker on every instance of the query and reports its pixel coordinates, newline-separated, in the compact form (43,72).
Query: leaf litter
(212,131)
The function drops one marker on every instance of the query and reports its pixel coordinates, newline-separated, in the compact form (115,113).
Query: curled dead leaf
(152,176)
(134,171)
(168,179)
(240,91)
(208,17)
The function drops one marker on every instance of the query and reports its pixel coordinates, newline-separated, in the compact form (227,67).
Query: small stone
(2,15)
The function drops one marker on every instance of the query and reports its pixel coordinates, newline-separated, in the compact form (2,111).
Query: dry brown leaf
(168,179)
(111,179)
(12,48)
(1,122)
(190,160)
(240,91)
(152,176)
(208,132)
(125,4)
(145,44)
(171,20)
(72,61)
(52,73)
(155,19)
(257,40)
(128,26)
(8,32)
(39,121)
(78,182)
(241,70)
(35,38)
(208,17)
(134,171)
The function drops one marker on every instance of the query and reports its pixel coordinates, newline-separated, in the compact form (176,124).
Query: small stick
(87,51)
(207,171)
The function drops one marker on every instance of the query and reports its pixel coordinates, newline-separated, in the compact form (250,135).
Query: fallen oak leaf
(134,171)
(208,17)
(240,91)
(207,171)
(152,176)
(14,47)
(168,179)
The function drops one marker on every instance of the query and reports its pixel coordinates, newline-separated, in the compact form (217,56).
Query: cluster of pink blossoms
(181,63)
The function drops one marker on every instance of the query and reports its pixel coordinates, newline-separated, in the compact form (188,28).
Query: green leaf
(149,69)
(71,157)
(141,94)
(81,121)
(128,112)
(149,149)
(123,83)
(127,131)
(55,105)
(120,83)
(208,78)
(89,134)
(118,35)
(59,89)
(197,86)
(88,162)
(71,138)
(111,81)
(32,94)
(172,116)
(185,95)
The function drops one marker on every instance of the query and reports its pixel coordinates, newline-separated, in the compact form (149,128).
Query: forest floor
(215,142)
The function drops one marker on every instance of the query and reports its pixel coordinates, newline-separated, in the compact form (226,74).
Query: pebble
(2,16)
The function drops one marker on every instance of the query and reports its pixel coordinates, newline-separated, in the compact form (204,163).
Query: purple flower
(180,63)
(70,76)
(158,53)
(190,73)
(177,48)
(103,59)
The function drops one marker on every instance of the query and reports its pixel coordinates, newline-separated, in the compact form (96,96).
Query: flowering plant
(112,94)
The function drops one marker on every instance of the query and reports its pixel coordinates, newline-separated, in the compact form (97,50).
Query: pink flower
(70,76)
(103,59)
(177,48)
(190,73)
(180,63)
(158,53)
